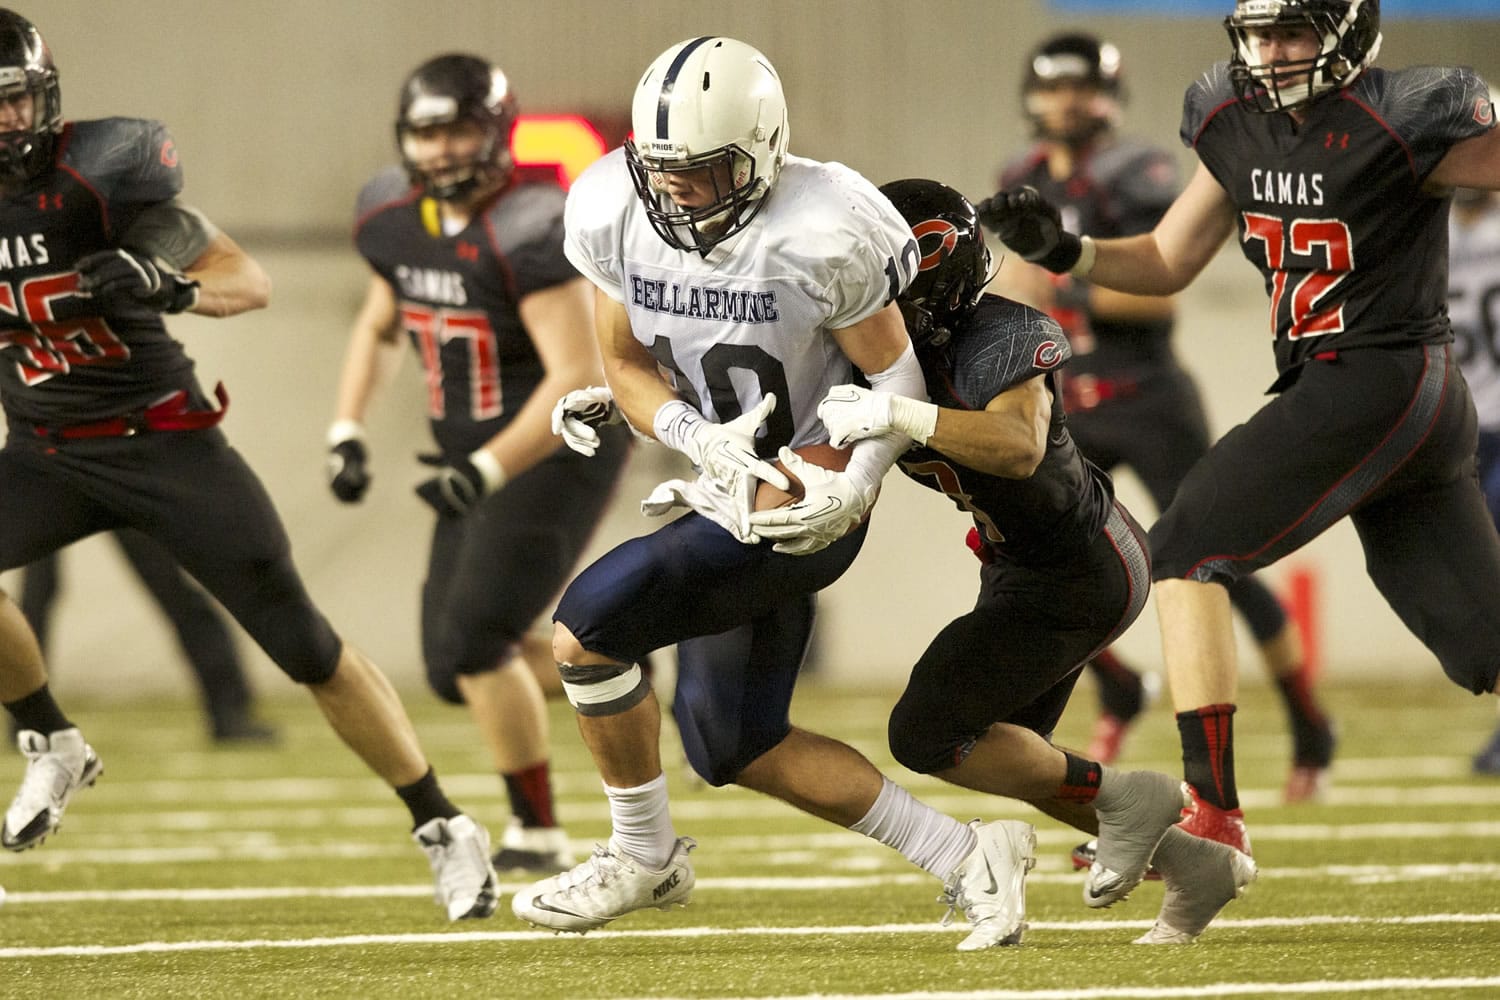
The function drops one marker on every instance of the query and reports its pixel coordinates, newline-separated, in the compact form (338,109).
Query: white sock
(928,839)
(642,822)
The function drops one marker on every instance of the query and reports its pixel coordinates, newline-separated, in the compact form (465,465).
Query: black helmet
(1081,57)
(457,87)
(953,261)
(1349,40)
(26,67)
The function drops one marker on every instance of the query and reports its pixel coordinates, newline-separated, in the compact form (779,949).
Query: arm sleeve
(171,231)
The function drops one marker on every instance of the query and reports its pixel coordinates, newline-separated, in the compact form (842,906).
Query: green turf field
(194,872)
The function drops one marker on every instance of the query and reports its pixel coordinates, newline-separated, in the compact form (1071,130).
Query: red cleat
(1227,826)
(1109,734)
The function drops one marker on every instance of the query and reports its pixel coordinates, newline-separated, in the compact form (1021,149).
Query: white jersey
(1474,308)
(753,316)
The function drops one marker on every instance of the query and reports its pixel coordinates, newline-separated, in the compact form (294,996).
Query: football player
(756,280)
(109,429)
(1336,176)
(468,263)
(1064,571)
(1128,400)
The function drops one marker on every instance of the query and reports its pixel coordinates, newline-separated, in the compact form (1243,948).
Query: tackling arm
(1007,438)
(230,281)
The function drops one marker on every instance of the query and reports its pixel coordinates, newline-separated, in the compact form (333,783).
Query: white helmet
(707,102)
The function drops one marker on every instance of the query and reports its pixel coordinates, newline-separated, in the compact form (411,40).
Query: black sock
(425,798)
(39,712)
(1208,754)
(1081,783)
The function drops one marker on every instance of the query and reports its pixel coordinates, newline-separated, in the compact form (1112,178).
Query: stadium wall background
(281,110)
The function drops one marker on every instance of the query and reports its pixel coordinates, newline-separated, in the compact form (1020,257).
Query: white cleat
(464,883)
(1202,877)
(606,885)
(533,850)
(1135,810)
(56,767)
(990,884)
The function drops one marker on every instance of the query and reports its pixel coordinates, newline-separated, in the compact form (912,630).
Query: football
(768,496)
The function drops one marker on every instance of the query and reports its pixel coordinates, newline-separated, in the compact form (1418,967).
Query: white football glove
(728,512)
(852,413)
(831,507)
(577,414)
(724,452)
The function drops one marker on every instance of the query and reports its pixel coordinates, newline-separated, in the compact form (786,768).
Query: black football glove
(456,489)
(125,274)
(348,470)
(1030,225)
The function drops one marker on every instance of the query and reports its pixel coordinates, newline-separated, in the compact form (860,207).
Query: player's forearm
(639,392)
(528,439)
(369,363)
(1009,444)
(230,281)
(1136,266)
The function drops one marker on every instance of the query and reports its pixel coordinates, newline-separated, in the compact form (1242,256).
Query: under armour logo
(467,251)
(1342,141)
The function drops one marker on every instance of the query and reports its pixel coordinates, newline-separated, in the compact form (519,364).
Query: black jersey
(64,358)
(1332,211)
(1121,187)
(1056,513)
(459,296)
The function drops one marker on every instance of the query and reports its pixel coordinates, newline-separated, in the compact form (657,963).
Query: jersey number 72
(1309,316)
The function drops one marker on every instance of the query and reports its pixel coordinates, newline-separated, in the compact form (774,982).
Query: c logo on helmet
(1049,354)
(947,238)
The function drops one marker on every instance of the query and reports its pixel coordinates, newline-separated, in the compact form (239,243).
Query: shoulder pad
(594,220)
(1003,344)
(527,213)
(388,186)
(1210,93)
(1022,168)
(129,160)
(1429,107)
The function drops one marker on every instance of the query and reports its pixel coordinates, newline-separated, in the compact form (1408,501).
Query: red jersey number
(53,346)
(1328,238)
(431,329)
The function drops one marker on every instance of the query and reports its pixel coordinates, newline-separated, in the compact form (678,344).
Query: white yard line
(700,933)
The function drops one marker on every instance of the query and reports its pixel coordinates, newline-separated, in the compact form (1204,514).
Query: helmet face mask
(953,260)
(1347,34)
(26,67)
(710,136)
(1072,72)
(454,94)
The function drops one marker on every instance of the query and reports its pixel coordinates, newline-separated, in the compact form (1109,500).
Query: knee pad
(603,688)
